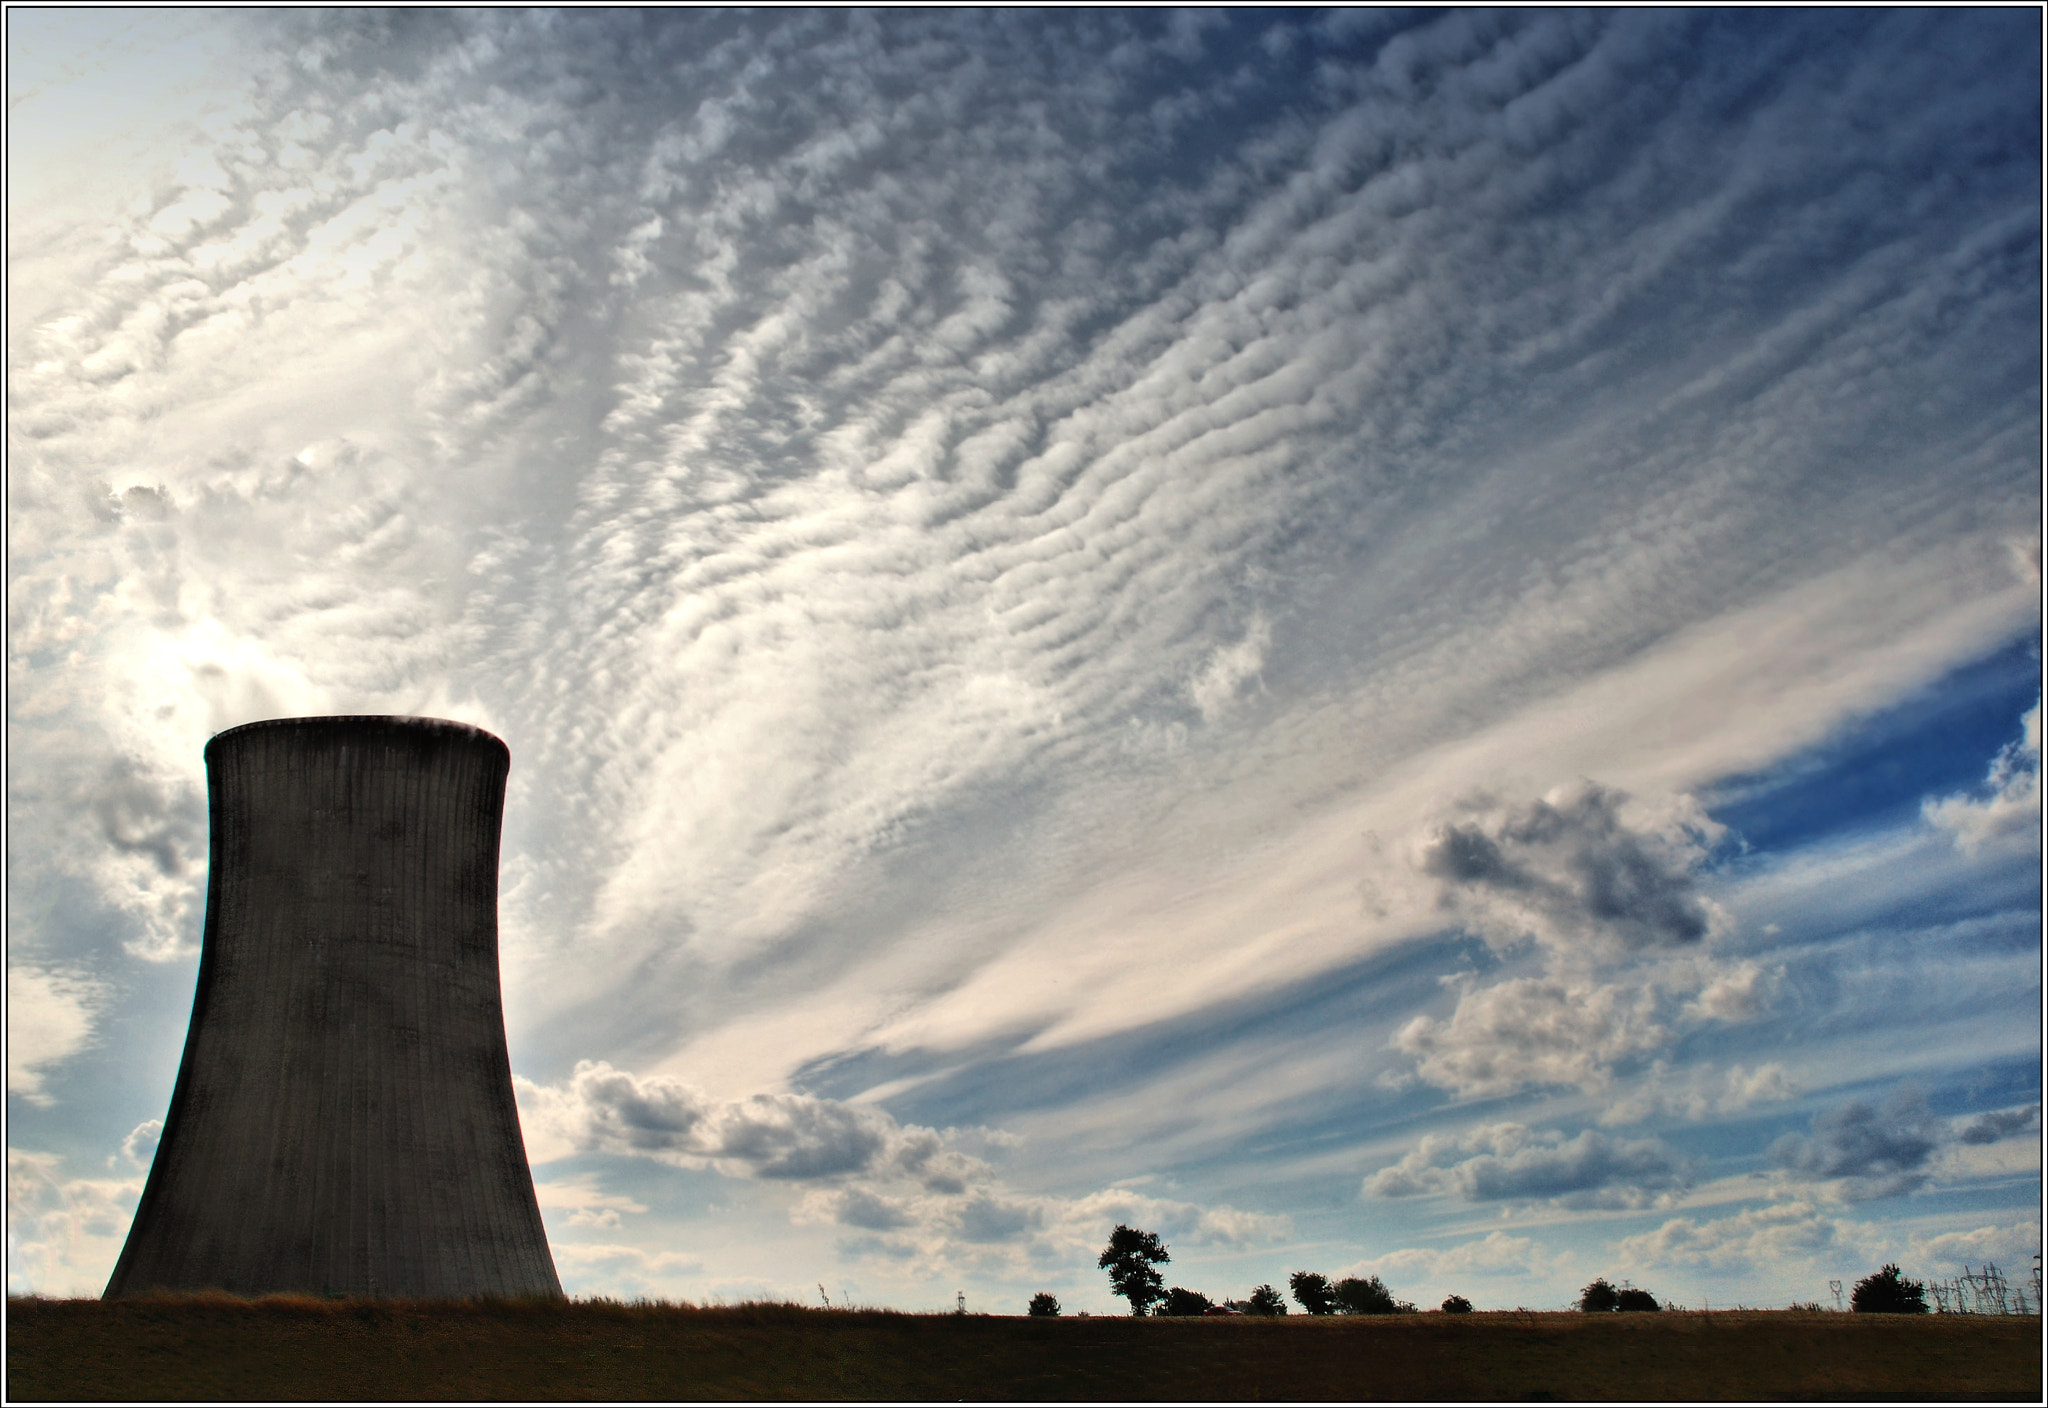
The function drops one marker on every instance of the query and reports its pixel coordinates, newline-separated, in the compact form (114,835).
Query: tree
(1184,1302)
(1457,1305)
(1266,1301)
(1629,1298)
(1044,1303)
(1889,1293)
(1363,1297)
(1599,1296)
(1129,1258)
(1312,1291)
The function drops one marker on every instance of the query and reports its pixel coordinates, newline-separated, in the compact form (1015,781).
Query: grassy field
(300,1349)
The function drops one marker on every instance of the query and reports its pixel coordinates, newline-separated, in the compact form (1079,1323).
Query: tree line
(1133,1258)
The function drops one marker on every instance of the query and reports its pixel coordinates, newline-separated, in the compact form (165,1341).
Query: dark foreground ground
(296,1349)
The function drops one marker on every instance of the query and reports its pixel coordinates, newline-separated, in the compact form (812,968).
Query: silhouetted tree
(1266,1301)
(1045,1303)
(1599,1296)
(1363,1297)
(1312,1292)
(1129,1258)
(1457,1305)
(1888,1293)
(1629,1298)
(1180,1301)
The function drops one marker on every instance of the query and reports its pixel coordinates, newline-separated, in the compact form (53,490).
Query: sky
(1388,643)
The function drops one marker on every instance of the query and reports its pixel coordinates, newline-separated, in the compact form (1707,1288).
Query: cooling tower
(343,1121)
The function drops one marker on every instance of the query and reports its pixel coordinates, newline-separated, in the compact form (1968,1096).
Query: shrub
(1457,1305)
(1629,1298)
(1044,1303)
(1364,1297)
(1599,1296)
(1181,1301)
(1888,1293)
(1312,1291)
(1266,1301)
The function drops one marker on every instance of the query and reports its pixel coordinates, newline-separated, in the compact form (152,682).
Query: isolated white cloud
(2008,811)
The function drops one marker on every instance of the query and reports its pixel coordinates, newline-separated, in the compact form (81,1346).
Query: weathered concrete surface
(343,1120)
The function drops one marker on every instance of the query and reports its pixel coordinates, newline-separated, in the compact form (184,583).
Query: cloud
(139,1148)
(2009,811)
(624,1270)
(964,519)
(1570,869)
(51,1014)
(1863,1151)
(1995,1125)
(1794,1232)
(1228,670)
(63,1234)
(1512,1163)
(1799,1243)
(585,1204)
(1534,1031)
(779,1136)
(1495,1254)
(1000,1231)
(1701,1092)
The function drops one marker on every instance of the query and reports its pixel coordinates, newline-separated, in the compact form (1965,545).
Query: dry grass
(298,1348)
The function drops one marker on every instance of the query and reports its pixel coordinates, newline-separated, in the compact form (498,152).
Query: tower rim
(408,722)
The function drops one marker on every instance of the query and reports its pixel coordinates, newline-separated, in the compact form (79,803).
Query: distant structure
(343,1121)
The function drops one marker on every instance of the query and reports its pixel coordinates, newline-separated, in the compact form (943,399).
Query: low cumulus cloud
(1609,890)
(905,1193)
(1863,1151)
(783,1136)
(621,1270)
(1495,1254)
(63,1233)
(1534,1031)
(1511,1163)
(583,1203)
(2007,810)
(1697,1094)
(1782,1233)
(1573,868)
(1798,1241)
(1996,1125)
(139,1148)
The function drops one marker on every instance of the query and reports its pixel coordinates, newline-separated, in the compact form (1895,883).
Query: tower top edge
(366,723)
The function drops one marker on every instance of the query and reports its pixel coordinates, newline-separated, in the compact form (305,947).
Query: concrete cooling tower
(343,1121)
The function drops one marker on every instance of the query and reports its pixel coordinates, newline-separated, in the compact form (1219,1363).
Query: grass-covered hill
(303,1349)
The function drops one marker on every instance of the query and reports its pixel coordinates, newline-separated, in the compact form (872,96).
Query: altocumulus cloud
(966,518)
